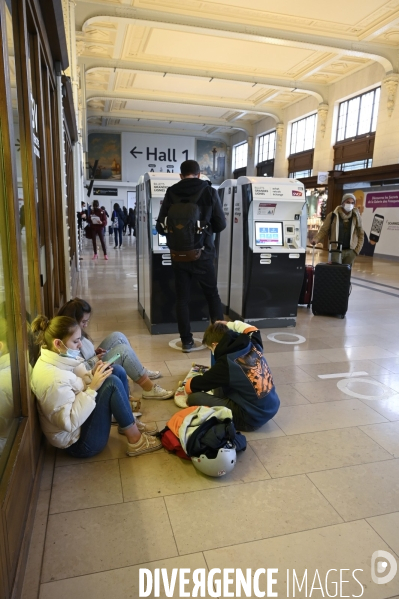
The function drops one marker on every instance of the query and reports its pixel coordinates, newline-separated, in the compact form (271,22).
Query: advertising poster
(106,148)
(211,156)
(379,209)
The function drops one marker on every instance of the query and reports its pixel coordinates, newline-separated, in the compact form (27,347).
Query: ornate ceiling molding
(386,56)
(97,111)
(318,91)
(95,96)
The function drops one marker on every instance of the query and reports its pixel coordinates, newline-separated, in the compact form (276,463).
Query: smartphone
(113,359)
(376,227)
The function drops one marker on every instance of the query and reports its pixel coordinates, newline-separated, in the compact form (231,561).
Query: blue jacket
(244,375)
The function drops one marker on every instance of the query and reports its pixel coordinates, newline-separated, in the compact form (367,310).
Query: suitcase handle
(313,256)
(337,249)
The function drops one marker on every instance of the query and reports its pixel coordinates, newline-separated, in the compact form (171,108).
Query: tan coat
(357,232)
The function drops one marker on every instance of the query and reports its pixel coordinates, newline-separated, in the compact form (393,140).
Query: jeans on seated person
(112,398)
(204,399)
(118,343)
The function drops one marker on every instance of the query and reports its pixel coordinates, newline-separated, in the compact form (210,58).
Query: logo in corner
(297,193)
(379,567)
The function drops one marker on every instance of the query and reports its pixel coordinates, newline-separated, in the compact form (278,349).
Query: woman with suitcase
(344,226)
(332,281)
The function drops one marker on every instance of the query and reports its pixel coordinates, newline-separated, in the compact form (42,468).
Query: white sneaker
(153,374)
(157,393)
(180,398)
(146,444)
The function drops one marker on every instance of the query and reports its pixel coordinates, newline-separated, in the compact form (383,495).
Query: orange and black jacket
(244,375)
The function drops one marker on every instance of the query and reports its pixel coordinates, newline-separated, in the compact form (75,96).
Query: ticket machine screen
(268,234)
(162,240)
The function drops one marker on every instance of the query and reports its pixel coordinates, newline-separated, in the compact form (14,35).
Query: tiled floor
(317,488)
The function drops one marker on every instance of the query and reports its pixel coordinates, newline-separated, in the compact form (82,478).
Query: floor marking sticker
(299,338)
(176,344)
(387,393)
(342,375)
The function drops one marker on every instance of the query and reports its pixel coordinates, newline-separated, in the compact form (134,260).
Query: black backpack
(184,229)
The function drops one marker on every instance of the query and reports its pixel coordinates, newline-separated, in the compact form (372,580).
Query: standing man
(190,214)
(344,225)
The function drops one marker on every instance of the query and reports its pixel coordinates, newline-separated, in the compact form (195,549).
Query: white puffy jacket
(63,400)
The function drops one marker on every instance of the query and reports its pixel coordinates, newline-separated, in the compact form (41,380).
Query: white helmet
(223,463)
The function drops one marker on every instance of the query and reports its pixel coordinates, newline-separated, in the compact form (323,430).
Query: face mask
(348,207)
(70,353)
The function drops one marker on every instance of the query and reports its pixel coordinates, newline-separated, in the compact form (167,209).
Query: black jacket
(210,206)
(244,375)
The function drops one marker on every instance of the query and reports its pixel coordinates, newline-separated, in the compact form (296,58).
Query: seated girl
(75,405)
(240,377)
(115,343)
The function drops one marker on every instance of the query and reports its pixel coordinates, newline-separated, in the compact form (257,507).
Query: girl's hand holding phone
(101,371)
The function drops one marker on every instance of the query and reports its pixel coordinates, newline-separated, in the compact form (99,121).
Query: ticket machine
(268,251)
(140,226)
(156,279)
(227,192)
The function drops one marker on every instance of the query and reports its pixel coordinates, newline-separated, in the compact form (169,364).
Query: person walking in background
(98,221)
(131,220)
(344,225)
(134,221)
(117,223)
(107,215)
(125,219)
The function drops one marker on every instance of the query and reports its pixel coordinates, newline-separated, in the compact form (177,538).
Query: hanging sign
(146,153)
(105,191)
(322,178)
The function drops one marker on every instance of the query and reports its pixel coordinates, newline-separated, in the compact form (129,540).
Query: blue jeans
(112,398)
(118,343)
(116,232)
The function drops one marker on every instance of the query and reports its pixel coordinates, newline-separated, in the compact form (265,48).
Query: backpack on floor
(185,231)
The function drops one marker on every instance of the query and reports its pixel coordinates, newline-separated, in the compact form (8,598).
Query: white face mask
(70,353)
(348,207)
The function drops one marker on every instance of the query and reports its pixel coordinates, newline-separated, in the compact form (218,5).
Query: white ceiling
(208,68)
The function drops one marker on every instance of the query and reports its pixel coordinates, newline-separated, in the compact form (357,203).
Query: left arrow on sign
(134,152)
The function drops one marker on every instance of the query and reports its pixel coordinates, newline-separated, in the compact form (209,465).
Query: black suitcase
(332,286)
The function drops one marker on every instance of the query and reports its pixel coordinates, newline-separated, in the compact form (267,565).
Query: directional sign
(146,152)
